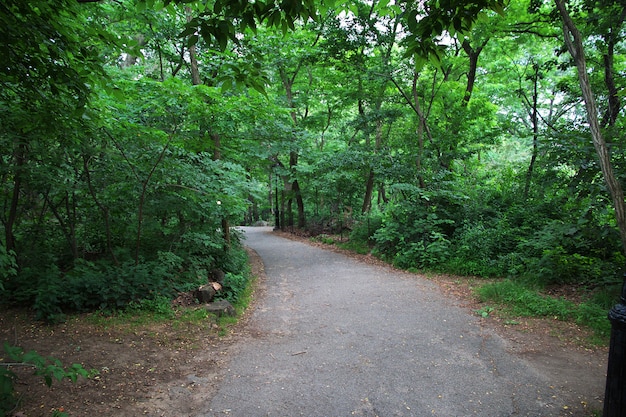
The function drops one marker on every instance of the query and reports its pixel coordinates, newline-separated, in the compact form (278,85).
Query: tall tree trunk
(217,155)
(535,122)
(574,43)
(369,182)
(421,126)
(293,155)
(67,224)
(142,198)
(215,137)
(386,58)
(104,209)
(369,185)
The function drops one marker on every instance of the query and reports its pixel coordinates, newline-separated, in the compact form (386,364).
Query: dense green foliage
(135,133)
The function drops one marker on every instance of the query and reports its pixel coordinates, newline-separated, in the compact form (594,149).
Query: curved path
(336,337)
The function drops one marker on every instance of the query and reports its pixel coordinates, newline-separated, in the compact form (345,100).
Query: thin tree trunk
(386,58)
(67,227)
(19,155)
(142,197)
(421,125)
(574,43)
(369,182)
(293,155)
(160,54)
(610,116)
(217,155)
(369,189)
(473,55)
(369,185)
(535,122)
(215,137)
(105,211)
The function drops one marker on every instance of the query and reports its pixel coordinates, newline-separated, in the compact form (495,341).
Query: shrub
(484,249)
(99,284)
(363,231)
(234,286)
(8,265)
(413,236)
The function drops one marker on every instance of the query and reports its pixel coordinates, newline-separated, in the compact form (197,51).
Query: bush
(364,230)
(234,286)
(413,237)
(8,265)
(484,249)
(92,286)
(101,285)
(159,306)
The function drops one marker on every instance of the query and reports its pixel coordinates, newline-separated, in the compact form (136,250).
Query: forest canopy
(471,137)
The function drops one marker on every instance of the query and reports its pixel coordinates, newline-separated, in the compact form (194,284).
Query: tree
(574,42)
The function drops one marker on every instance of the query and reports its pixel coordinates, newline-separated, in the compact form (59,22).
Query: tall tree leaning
(574,43)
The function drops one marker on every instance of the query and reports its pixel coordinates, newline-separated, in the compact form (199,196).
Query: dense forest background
(135,133)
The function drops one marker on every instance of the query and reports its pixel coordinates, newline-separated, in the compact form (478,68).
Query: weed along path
(333,336)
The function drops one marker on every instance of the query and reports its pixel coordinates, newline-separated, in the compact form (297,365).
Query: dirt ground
(153,369)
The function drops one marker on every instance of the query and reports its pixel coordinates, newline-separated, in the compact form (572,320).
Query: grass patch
(192,315)
(324,238)
(361,248)
(136,314)
(519,300)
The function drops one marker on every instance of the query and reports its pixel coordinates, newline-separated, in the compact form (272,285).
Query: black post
(615,392)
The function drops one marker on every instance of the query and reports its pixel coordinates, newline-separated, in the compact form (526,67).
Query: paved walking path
(335,337)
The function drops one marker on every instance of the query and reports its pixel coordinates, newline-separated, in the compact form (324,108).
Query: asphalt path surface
(336,337)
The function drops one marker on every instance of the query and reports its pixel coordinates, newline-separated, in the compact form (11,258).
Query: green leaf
(190,30)
(15,353)
(192,40)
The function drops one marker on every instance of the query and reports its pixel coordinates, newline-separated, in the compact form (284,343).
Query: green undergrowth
(240,303)
(238,290)
(516,299)
(148,312)
(357,246)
